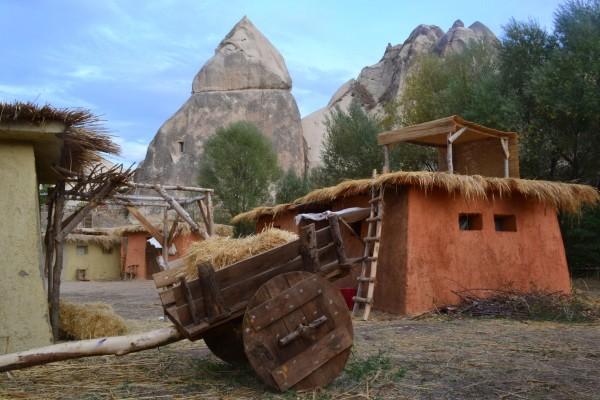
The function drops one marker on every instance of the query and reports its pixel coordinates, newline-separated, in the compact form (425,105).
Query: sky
(133,62)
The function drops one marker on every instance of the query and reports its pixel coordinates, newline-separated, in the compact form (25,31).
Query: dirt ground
(393,358)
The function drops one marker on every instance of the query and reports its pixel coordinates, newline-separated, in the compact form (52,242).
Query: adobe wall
(23,306)
(183,243)
(135,253)
(441,258)
(99,264)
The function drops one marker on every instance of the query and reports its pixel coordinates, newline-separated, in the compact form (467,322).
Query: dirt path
(392,359)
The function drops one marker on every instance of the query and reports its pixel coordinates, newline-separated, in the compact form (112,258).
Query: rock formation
(246,80)
(380,83)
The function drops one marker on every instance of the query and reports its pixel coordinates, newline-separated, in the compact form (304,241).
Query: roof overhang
(435,133)
(46,142)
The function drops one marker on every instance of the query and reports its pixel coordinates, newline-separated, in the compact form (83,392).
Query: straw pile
(90,320)
(223,251)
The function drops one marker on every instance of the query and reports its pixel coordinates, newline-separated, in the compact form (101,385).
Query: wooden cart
(278,310)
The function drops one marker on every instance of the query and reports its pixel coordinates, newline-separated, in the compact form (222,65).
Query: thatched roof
(182,229)
(83,138)
(106,241)
(565,197)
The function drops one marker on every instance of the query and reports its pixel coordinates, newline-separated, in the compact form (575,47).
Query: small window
(470,222)
(107,251)
(180,144)
(82,250)
(87,221)
(505,223)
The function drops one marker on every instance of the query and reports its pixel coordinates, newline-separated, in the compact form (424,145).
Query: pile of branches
(534,305)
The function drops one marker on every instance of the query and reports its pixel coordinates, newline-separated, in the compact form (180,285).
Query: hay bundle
(223,251)
(90,320)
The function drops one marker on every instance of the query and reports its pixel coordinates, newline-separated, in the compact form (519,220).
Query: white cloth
(323,215)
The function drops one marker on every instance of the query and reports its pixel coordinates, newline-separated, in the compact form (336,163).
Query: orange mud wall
(134,253)
(183,243)
(283,220)
(424,255)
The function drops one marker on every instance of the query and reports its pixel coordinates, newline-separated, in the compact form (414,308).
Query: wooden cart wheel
(226,342)
(297,331)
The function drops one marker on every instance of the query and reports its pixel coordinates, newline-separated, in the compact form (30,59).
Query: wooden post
(504,143)
(182,213)
(49,241)
(386,159)
(449,156)
(165,245)
(209,214)
(308,248)
(334,225)
(214,305)
(54,294)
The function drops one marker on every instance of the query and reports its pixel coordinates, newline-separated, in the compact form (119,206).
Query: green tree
(240,164)
(290,187)
(350,148)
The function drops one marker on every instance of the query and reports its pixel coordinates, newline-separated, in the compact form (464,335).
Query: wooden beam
(308,248)
(452,138)
(165,246)
(172,232)
(180,210)
(334,224)
(209,214)
(152,230)
(170,187)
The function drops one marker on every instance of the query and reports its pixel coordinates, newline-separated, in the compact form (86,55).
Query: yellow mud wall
(23,305)
(100,266)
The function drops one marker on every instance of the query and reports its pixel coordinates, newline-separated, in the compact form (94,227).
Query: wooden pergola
(445,133)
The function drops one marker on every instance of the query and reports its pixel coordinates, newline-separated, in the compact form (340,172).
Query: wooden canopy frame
(445,132)
(103,185)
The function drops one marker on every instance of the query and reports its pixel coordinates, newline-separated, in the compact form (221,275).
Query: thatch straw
(107,242)
(84,138)
(223,251)
(565,197)
(90,320)
(182,228)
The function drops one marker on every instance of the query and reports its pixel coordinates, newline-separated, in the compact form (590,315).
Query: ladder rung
(371,239)
(357,299)
(375,199)
(370,259)
(365,279)
(352,261)
(373,219)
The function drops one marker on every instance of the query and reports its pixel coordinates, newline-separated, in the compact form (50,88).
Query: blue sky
(132,62)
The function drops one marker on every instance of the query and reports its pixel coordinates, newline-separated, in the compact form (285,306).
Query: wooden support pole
(54,294)
(165,245)
(449,156)
(80,214)
(170,187)
(386,159)
(173,231)
(209,214)
(152,230)
(49,242)
(505,149)
(115,345)
(182,213)
(308,248)
(334,224)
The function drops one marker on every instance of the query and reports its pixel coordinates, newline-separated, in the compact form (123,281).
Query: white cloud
(131,151)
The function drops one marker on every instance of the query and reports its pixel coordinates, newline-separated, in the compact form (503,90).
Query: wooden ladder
(370,254)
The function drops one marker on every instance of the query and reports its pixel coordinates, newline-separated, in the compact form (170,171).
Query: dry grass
(90,320)
(84,138)
(565,197)
(107,242)
(223,251)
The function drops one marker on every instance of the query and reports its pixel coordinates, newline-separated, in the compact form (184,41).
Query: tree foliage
(240,164)
(290,187)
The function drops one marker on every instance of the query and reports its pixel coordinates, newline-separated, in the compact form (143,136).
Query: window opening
(82,250)
(180,144)
(470,222)
(505,223)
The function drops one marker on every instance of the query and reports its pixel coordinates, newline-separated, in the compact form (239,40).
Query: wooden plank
(214,306)
(308,248)
(336,235)
(288,301)
(324,236)
(170,187)
(152,230)
(301,366)
(245,268)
